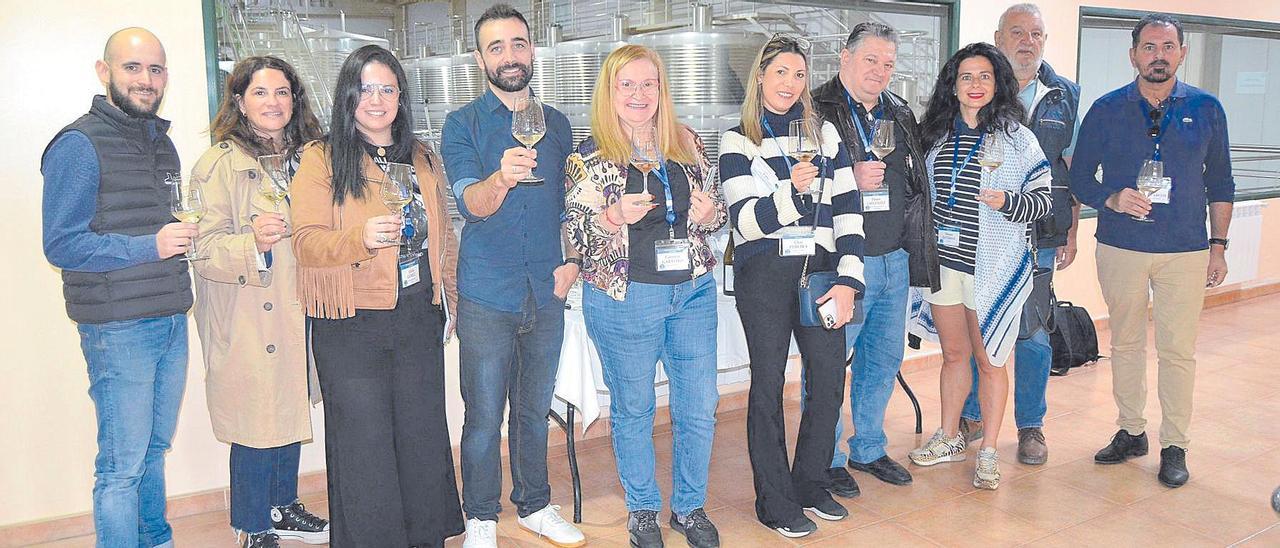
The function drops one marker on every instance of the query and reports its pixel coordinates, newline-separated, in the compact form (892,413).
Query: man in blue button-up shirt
(1156,118)
(512,280)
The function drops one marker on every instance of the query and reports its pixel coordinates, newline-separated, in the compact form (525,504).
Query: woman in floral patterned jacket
(649,295)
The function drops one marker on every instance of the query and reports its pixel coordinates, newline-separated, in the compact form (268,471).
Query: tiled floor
(1070,501)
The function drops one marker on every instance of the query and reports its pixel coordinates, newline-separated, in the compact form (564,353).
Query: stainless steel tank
(466,79)
(577,65)
(705,67)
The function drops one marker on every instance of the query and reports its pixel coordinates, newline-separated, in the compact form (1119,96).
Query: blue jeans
(507,358)
(137,374)
(677,325)
(261,479)
(877,344)
(1032,360)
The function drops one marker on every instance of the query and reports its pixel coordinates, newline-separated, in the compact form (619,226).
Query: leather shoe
(1122,446)
(1173,467)
(884,469)
(841,484)
(1031,447)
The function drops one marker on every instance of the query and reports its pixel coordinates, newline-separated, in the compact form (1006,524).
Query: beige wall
(48,49)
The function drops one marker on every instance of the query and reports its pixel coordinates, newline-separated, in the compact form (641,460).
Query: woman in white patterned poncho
(991,181)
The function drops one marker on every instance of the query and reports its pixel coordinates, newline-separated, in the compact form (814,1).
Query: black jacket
(920,239)
(1054,122)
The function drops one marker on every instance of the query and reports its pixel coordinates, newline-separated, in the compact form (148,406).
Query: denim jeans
(260,479)
(877,344)
(507,358)
(677,325)
(137,374)
(1033,357)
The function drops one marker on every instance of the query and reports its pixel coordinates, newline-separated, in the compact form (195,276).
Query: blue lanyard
(857,123)
(785,154)
(957,167)
(661,172)
(1164,123)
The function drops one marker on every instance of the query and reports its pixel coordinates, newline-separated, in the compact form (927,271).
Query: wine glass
(1150,181)
(806,142)
(397,192)
(882,140)
(274,186)
(644,150)
(528,126)
(992,153)
(187,205)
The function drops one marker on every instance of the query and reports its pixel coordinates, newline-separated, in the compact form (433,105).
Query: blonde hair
(606,129)
(753,103)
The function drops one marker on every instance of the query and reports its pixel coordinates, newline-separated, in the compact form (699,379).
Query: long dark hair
(1004,113)
(230,124)
(346,144)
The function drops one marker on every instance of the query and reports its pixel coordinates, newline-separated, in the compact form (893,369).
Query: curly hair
(230,123)
(1004,113)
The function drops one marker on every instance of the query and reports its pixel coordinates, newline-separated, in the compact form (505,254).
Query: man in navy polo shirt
(512,281)
(1183,128)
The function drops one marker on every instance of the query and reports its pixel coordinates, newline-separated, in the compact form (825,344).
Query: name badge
(672,255)
(797,241)
(875,200)
(949,236)
(409,273)
(1162,196)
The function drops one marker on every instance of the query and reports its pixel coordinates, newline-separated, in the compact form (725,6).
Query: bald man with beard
(107,226)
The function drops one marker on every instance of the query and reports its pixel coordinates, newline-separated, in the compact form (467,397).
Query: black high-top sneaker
(294,522)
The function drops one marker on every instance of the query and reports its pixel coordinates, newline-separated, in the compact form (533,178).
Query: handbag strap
(804,271)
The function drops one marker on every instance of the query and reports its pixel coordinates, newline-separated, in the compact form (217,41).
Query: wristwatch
(1220,241)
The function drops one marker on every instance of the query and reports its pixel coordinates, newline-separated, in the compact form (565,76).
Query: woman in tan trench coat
(251,324)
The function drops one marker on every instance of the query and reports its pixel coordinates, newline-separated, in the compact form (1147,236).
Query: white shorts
(957,288)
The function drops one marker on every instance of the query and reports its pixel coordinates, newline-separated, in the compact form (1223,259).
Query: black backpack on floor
(1073,338)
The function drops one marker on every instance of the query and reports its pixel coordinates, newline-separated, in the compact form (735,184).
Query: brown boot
(971,430)
(1031,447)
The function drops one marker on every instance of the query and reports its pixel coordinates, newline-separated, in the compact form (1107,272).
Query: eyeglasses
(630,87)
(1156,114)
(784,39)
(384,90)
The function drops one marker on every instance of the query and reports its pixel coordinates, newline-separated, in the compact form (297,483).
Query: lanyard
(956,165)
(1164,123)
(785,154)
(857,123)
(661,172)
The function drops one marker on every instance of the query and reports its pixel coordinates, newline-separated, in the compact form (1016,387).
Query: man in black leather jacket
(901,243)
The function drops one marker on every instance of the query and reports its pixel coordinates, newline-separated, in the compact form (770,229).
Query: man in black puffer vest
(107,225)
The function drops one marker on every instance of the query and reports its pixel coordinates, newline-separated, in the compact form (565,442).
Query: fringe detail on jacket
(327,292)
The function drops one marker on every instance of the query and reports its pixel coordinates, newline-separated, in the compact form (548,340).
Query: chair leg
(566,424)
(914,402)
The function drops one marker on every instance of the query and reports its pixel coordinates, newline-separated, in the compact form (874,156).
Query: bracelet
(573,260)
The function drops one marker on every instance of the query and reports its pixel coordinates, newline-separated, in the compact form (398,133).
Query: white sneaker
(939,449)
(481,533)
(987,474)
(548,524)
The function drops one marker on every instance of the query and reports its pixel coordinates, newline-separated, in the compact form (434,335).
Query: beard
(1157,72)
(120,98)
(510,84)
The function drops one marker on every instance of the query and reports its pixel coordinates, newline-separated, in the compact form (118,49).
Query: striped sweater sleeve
(846,206)
(1035,199)
(756,214)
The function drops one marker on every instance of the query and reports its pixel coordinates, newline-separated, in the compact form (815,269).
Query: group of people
(335,292)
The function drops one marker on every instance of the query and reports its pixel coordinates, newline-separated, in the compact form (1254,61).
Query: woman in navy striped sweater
(782,230)
(985,199)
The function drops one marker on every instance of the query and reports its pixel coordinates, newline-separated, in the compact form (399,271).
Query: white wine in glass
(274,185)
(644,150)
(1150,181)
(992,153)
(882,139)
(186,203)
(528,126)
(806,141)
